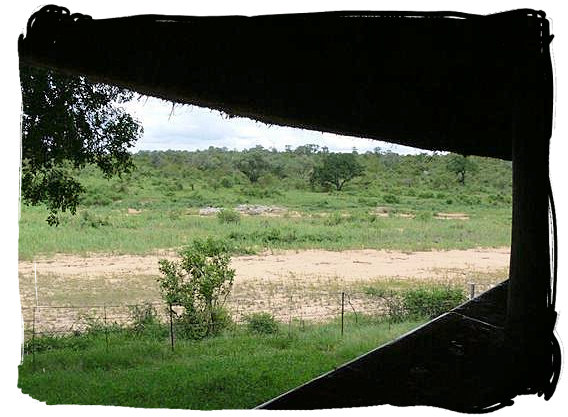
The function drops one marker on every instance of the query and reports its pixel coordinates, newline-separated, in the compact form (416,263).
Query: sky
(169,126)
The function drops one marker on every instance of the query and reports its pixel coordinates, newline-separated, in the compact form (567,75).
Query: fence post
(171,326)
(290,318)
(342,310)
(237,316)
(33,338)
(471,290)
(106,326)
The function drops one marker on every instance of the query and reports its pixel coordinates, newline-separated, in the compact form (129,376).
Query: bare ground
(289,283)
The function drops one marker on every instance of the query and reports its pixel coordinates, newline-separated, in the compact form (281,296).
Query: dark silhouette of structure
(479,85)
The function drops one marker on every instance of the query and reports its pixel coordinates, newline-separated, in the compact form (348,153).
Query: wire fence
(293,311)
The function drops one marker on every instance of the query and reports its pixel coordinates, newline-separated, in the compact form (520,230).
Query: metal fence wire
(291,311)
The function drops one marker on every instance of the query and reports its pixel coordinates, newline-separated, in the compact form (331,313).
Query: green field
(393,205)
(406,203)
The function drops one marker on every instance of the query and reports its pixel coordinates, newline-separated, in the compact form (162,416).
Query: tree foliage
(253,163)
(461,165)
(336,170)
(200,282)
(68,123)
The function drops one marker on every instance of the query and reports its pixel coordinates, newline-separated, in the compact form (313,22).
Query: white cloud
(183,127)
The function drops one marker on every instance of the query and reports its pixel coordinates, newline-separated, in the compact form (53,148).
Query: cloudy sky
(191,128)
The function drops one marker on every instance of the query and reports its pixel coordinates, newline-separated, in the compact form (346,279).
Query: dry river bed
(303,284)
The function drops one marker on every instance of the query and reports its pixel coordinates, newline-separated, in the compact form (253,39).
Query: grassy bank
(107,229)
(392,205)
(236,370)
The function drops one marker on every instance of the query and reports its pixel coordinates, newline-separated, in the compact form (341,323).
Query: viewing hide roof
(438,81)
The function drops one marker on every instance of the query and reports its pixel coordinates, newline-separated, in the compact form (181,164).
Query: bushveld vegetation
(391,203)
(376,200)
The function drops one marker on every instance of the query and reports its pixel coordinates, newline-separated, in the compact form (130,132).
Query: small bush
(426,195)
(391,199)
(275,235)
(196,325)
(47,343)
(416,303)
(226,216)
(261,323)
(87,219)
(431,301)
(96,199)
(226,182)
(392,300)
(143,316)
(334,219)
(261,192)
(200,282)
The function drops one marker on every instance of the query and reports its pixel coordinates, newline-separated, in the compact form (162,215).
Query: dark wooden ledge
(457,361)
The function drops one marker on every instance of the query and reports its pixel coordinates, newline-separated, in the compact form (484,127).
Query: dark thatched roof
(438,81)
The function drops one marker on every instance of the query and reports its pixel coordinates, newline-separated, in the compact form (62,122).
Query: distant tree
(253,163)
(68,123)
(336,170)
(308,149)
(460,165)
(301,167)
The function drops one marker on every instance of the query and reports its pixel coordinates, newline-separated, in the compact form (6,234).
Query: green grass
(113,230)
(167,189)
(236,370)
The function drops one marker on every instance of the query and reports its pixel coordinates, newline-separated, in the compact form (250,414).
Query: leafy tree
(337,169)
(253,163)
(460,165)
(309,149)
(68,123)
(200,282)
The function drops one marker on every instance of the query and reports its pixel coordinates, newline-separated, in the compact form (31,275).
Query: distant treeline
(294,168)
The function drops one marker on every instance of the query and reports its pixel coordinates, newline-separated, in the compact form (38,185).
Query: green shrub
(416,303)
(261,323)
(226,182)
(392,300)
(426,194)
(261,192)
(391,199)
(48,342)
(96,199)
(431,301)
(200,283)
(88,219)
(228,216)
(274,235)
(143,316)
(197,324)
(334,219)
